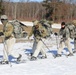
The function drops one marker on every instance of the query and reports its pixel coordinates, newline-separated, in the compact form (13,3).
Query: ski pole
(45,44)
(56,39)
(47,47)
(57,42)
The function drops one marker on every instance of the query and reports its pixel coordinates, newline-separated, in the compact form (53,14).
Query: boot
(33,58)
(19,58)
(4,62)
(57,55)
(70,54)
(44,57)
(74,51)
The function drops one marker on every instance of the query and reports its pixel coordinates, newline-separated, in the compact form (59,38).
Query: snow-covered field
(31,24)
(50,66)
(24,22)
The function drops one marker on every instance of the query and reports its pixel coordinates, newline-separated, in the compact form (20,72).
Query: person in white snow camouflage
(39,33)
(65,40)
(74,23)
(9,40)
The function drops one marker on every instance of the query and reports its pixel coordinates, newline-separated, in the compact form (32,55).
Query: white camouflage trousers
(8,49)
(34,46)
(38,47)
(63,44)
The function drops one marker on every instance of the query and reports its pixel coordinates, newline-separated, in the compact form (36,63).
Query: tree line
(55,10)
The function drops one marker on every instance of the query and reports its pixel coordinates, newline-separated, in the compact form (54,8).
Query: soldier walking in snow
(9,40)
(40,34)
(74,23)
(65,40)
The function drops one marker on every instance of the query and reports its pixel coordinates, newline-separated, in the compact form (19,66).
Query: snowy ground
(49,66)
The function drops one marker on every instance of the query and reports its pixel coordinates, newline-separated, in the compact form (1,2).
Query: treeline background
(55,10)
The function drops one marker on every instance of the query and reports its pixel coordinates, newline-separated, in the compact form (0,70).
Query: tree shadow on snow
(9,58)
(55,51)
(28,51)
(66,49)
(1,57)
(72,42)
(52,51)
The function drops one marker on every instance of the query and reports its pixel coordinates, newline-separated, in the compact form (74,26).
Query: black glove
(1,33)
(55,34)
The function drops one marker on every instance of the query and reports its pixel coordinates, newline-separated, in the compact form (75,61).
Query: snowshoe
(4,62)
(19,58)
(74,51)
(19,62)
(70,54)
(43,57)
(33,58)
(57,55)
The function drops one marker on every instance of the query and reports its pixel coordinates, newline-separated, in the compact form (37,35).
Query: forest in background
(55,10)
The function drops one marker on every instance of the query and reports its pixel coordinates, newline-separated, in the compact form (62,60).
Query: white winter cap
(4,17)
